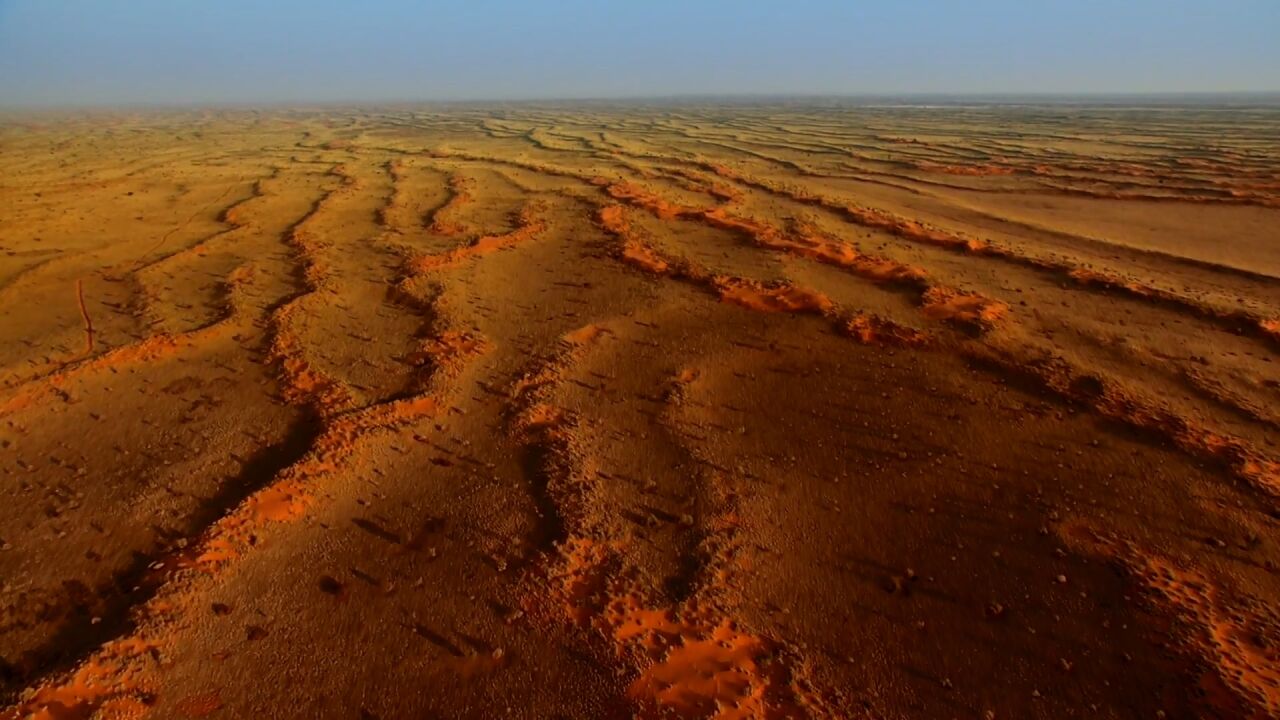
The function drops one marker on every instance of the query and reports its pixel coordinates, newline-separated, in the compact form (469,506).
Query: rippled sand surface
(669,411)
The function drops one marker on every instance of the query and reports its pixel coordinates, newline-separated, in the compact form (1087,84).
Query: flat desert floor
(647,411)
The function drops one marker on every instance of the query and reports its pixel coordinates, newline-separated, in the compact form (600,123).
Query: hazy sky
(177,51)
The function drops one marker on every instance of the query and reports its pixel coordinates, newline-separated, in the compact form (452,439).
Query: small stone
(328,584)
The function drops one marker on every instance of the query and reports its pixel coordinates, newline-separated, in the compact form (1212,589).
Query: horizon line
(983,97)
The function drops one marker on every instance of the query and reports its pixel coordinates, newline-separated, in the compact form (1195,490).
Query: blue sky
(234,51)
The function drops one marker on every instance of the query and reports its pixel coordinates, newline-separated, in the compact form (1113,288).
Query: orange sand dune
(607,412)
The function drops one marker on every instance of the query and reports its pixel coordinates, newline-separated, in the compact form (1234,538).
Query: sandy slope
(665,412)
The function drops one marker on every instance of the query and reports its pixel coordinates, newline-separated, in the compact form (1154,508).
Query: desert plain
(610,411)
